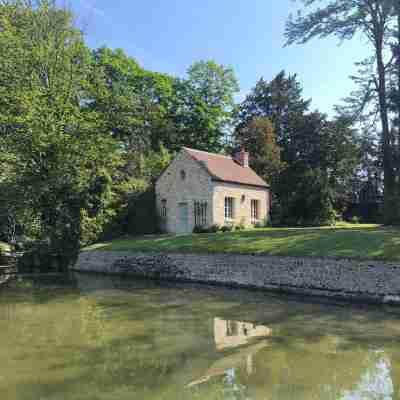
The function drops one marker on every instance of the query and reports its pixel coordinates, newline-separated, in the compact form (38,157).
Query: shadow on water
(95,337)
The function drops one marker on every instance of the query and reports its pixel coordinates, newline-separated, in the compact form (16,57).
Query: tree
(374,19)
(258,137)
(312,147)
(51,141)
(134,103)
(394,96)
(206,105)
(280,100)
(321,158)
(214,83)
(144,109)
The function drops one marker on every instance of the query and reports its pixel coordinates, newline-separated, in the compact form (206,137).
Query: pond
(93,337)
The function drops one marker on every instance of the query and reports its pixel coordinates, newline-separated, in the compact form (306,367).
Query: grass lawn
(345,240)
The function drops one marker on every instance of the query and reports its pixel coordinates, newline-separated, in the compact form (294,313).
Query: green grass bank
(344,240)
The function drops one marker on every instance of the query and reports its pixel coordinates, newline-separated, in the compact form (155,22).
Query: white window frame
(255,210)
(200,213)
(229,208)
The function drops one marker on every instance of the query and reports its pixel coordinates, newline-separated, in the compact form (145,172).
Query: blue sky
(169,35)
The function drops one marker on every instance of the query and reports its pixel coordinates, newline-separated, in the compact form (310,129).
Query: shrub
(142,217)
(307,201)
(240,227)
(355,219)
(215,228)
(41,256)
(200,229)
(227,228)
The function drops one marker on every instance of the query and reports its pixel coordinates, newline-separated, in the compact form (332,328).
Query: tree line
(85,132)
(377,98)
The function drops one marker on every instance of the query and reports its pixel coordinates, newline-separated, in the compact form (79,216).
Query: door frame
(183,225)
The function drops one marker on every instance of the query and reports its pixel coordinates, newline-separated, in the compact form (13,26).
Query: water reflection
(118,339)
(237,333)
(230,334)
(375,383)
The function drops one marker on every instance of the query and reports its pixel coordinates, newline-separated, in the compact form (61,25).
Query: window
(164,208)
(200,213)
(255,215)
(232,328)
(229,207)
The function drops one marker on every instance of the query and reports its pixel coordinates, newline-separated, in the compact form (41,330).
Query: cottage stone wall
(242,195)
(196,186)
(370,281)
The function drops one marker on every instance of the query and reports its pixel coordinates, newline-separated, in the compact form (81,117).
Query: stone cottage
(203,189)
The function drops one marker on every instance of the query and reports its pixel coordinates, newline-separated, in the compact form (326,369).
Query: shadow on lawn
(355,242)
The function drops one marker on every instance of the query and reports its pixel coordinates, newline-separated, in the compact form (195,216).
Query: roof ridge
(207,152)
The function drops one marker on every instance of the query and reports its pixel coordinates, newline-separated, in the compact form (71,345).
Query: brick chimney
(242,158)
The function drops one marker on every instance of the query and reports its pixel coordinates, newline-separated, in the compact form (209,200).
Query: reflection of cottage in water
(229,335)
(234,333)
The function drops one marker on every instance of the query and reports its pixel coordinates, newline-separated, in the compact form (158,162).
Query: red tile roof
(226,169)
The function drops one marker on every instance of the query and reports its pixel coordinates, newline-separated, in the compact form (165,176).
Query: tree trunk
(397,147)
(389,181)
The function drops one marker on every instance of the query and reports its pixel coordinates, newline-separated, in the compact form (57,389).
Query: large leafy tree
(375,20)
(144,109)
(134,103)
(51,142)
(205,102)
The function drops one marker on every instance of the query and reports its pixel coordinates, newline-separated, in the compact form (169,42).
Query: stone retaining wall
(372,281)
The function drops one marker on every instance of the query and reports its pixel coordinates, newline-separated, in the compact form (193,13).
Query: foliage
(134,103)
(258,137)
(145,109)
(227,228)
(310,147)
(200,229)
(55,150)
(215,228)
(312,201)
(379,22)
(133,210)
(142,217)
(202,111)
(212,229)
(355,220)
(279,100)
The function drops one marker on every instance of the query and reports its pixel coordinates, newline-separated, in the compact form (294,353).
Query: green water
(105,338)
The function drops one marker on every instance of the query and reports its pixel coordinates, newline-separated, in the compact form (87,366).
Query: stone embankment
(357,280)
